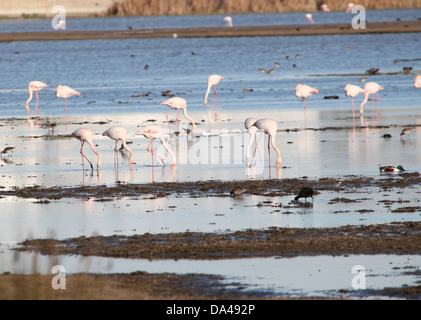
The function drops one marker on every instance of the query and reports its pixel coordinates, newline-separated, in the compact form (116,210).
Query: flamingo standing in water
(417,82)
(309,18)
(371,88)
(178,103)
(213,80)
(156,132)
(304,91)
(269,127)
(353,91)
(119,133)
(34,86)
(85,135)
(228,20)
(248,124)
(65,92)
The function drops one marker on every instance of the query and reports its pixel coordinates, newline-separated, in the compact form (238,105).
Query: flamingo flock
(154,132)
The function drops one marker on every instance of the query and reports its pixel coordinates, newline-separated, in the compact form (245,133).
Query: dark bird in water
(8,150)
(373,71)
(391,169)
(237,191)
(305,193)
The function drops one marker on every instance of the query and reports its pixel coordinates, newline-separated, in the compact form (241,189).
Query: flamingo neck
(168,150)
(96,152)
(130,150)
(190,119)
(279,160)
(29,99)
(252,132)
(207,93)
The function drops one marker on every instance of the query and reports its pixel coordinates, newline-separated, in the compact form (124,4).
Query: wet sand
(399,238)
(242,31)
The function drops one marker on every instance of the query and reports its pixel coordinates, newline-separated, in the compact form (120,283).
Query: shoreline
(203,32)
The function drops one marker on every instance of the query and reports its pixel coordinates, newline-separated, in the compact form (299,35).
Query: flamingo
(248,124)
(156,132)
(353,91)
(85,135)
(178,103)
(213,80)
(228,20)
(417,82)
(309,18)
(119,133)
(371,88)
(65,92)
(304,91)
(34,86)
(349,7)
(324,8)
(269,127)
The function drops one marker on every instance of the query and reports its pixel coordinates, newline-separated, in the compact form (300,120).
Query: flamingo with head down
(178,103)
(85,135)
(119,133)
(34,86)
(213,80)
(156,132)
(371,88)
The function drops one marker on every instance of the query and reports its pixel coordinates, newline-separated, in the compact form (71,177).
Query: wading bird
(371,88)
(304,91)
(85,135)
(65,92)
(269,127)
(178,103)
(213,80)
(34,86)
(305,193)
(119,133)
(156,132)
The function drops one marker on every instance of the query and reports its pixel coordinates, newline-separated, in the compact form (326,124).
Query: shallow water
(325,141)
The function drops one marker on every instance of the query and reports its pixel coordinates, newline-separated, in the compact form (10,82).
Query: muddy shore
(242,31)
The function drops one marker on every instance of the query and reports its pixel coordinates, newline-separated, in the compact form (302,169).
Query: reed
(188,7)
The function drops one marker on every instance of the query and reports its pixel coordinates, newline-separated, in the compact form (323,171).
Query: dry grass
(187,7)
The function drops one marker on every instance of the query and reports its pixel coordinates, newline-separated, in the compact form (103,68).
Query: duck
(391,169)
(237,191)
(305,193)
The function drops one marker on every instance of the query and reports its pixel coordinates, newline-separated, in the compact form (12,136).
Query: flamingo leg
(270,137)
(36,95)
(255,149)
(378,106)
(83,156)
(65,105)
(150,150)
(178,128)
(116,153)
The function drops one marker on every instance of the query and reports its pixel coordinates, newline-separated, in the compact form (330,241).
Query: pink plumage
(34,86)
(66,92)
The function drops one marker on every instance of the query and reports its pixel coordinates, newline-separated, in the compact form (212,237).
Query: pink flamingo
(349,7)
(304,91)
(269,127)
(119,133)
(417,82)
(309,18)
(371,88)
(178,103)
(228,20)
(85,135)
(248,124)
(34,86)
(156,132)
(353,91)
(324,8)
(65,92)
(213,80)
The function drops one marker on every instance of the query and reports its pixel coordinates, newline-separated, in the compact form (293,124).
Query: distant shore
(244,31)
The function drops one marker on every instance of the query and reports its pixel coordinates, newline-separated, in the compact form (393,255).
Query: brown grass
(187,7)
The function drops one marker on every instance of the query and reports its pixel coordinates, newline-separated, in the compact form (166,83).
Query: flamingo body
(304,91)
(228,20)
(417,82)
(85,135)
(34,86)
(65,92)
(156,132)
(119,133)
(178,103)
(213,80)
